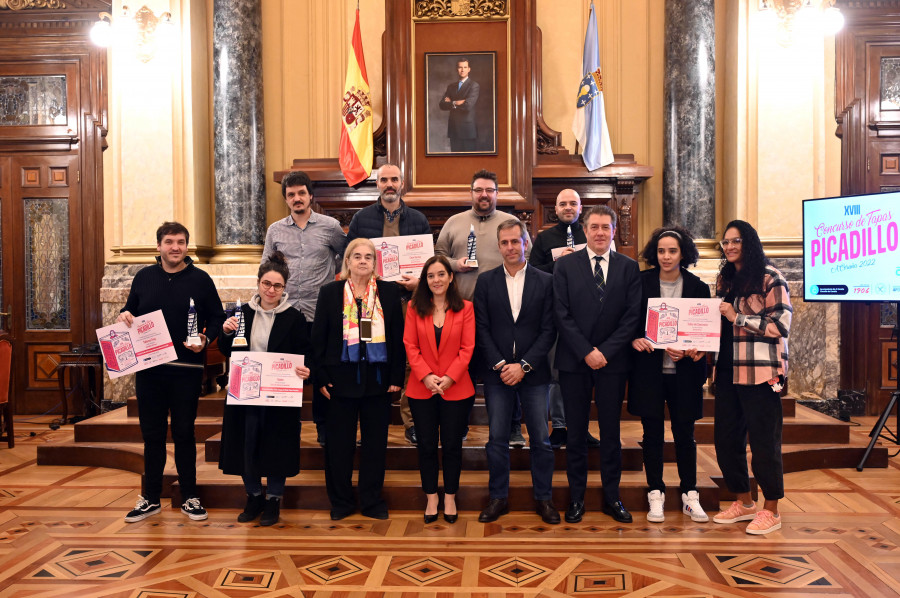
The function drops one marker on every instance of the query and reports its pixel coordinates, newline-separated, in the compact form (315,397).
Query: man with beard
(313,245)
(389,216)
(453,243)
(568,212)
(172,389)
(484,217)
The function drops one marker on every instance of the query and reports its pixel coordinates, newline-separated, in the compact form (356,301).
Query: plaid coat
(760,332)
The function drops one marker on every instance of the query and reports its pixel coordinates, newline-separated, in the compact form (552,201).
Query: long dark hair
(748,280)
(689,253)
(422,299)
(276,263)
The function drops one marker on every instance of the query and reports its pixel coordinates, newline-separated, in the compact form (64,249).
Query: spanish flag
(357,148)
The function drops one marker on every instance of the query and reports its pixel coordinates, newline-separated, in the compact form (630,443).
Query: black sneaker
(193,509)
(516,438)
(143,509)
(411,435)
(558,437)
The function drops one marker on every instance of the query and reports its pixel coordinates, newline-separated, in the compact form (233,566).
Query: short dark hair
(296,178)
(275,263)
(484,174)
(600,210)
(422,296)
(172,228)
(464,59)
(507,224)
(689,252)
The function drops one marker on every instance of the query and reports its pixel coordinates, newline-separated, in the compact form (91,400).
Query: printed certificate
(259,378)
(146,344)
(681,323)
(397,256)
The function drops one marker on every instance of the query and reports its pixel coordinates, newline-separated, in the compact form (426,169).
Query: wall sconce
(144,29)
(788,11)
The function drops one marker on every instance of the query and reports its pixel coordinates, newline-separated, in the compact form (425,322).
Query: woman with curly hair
(668,377)
(751,371)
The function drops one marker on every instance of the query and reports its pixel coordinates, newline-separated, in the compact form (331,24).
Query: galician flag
(357,148)
(589,124)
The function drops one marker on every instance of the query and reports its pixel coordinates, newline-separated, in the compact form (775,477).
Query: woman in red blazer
(440,337)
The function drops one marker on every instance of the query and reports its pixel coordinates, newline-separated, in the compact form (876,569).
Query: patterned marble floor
(62,534)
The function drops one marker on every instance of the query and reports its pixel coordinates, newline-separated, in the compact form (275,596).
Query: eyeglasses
(726,242)
(268,285)
(488,190)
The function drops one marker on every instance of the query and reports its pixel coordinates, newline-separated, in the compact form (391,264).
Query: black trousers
(374,416)
(609,392)
(685,446)
(742,409)
(436,418)
(162,392)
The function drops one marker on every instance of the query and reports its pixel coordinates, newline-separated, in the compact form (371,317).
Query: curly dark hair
(689,252)
(748,280)
(276,263)
(422,296)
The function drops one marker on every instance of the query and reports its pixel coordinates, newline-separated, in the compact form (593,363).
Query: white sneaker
(691,506)
(657,501)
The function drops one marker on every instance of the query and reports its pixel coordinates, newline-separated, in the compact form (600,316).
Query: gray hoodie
(263,321)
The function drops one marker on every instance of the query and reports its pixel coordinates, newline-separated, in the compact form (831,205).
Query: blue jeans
(275,487)
(501,400)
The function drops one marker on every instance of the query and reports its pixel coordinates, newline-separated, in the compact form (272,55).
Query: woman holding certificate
(259,440)
(750,374)
(439,339)
(358,346)
(669,377)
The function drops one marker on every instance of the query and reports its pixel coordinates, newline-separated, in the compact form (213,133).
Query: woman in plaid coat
(750,374)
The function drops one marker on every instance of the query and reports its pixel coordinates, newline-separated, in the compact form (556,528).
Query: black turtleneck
(541,255)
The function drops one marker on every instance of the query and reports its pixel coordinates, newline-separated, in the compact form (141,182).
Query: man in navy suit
(459,100)
(597,307)
(514,332)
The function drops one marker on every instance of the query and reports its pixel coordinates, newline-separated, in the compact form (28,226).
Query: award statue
(472,259)
(570,239)
(192,337)
(240,339)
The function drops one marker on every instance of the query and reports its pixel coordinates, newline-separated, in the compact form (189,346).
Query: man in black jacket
(172,388)
(389,216)
(550,241)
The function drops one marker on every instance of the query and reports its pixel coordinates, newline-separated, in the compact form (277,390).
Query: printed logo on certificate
(401,256)
(266,379)
(145,345)
(683,323)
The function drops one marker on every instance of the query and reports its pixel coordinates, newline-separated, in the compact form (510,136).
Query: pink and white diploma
(681,323)
(259,378)
(145,345)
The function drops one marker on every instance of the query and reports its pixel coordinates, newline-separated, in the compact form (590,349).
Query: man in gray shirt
(313,245)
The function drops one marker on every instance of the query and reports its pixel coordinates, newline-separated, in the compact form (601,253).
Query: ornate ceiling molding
(460,9)
(31,4)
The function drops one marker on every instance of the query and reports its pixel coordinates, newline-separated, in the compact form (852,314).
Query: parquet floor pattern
(62,534)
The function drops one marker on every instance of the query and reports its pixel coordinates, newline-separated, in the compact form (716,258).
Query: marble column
(689,166)
(239,141)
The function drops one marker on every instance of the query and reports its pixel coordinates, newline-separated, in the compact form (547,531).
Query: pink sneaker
(764,522)
(736,512)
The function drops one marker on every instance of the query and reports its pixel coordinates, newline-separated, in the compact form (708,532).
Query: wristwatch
(526,367)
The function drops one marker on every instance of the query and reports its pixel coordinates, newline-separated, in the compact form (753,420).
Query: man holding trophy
(193,313)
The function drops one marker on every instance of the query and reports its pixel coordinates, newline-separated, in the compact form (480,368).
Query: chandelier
(142,29)
(789,12)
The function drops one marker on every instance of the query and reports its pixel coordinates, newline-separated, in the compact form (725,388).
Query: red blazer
(452,359)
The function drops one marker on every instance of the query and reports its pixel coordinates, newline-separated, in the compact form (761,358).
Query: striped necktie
(598,277)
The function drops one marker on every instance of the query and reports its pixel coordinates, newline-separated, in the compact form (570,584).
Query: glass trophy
(472,257)
(570,238)
(240,339)
(192,337)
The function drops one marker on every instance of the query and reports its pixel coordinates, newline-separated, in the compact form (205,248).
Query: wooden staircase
(811,441)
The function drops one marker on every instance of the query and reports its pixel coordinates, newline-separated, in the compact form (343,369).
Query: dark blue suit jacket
(532,333)
(583,323)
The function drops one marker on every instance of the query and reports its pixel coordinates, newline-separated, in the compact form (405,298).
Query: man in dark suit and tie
(460,99)
(514,332)
(597,307)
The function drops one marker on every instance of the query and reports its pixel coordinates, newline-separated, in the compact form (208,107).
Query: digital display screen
(851,248)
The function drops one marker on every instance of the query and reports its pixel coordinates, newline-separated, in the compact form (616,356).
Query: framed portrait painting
(460,103)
